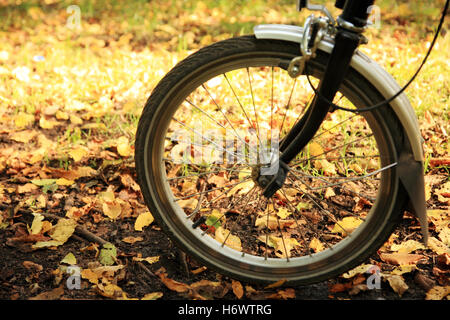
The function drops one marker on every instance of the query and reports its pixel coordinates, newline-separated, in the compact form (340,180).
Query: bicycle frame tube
(348,38)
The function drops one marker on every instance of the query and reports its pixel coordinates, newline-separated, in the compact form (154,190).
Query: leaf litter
(62,157)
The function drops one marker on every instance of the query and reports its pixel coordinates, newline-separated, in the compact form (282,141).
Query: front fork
(346,42)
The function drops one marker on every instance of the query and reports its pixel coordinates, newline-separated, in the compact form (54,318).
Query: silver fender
(411,161)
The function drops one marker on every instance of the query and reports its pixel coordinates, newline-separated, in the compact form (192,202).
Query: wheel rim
(295,253)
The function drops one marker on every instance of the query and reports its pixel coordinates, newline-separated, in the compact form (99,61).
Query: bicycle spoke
(211,190)
(242,108)
(225,116)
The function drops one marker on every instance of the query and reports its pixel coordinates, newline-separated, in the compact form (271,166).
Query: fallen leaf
(108,254)
(222,235)
(403,269)
(316,245)
(288,293)
(112,209)
(283,213)
(22,120)
(172,284)
(36,225)
(48,124)
(152,296)
(149,260)
(69,259)
(238,289)
(63,230)
(401,258)
(241,188)
(64,182)
(132,240)
(26,188)
(397,283)
(90,275)
(110,290)
(261,222)
(346,225)
(407,246)
(276,284)
(30,265)
(437,293)
(143,220)
(54,294)
(438,246)
(124,147)
(364,268)
(190,203)
(24,136)
(78,153)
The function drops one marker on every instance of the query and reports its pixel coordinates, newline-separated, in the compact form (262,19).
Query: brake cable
(387,101)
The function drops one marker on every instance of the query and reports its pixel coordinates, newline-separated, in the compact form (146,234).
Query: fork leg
(346,43)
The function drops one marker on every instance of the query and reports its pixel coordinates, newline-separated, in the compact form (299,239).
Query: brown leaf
(172,284)
(30,265)
(401,258)
(238,289)
(423,281)
(129,182)
(437,293)
(279,283)
(397,283)
(54,294)
(288,293)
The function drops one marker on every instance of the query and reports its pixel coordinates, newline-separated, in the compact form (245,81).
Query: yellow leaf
(36,225)
(346,225)
(403,269)
(47,124)
(143,220)
(23,119)
(241,188)
(284,245)
(148,259)
(232,241)
(77,153)
(69,259)
(316,245)
(123,147)
(437,293)
(190,203)
(90,275)
(328,168)
(110,290)
(315,149)
(407,246)
(358,270)
(23,136)
(438,246)
(75,119)
(61,115)
(112,209)
(283,213)
(64,182)
(63,230)
(152,296)
(273,222)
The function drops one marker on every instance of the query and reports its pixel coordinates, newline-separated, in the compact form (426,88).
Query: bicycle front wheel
(213,125)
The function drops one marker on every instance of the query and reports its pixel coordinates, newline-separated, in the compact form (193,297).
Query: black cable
(387,101)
